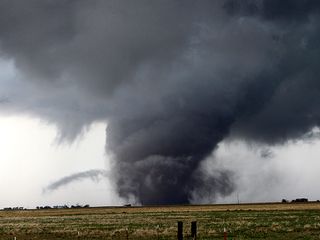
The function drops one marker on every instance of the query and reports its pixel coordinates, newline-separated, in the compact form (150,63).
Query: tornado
(171,79)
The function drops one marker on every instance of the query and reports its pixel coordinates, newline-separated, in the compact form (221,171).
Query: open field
(244,221)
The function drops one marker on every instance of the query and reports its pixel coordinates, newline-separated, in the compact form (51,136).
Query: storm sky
(175,82)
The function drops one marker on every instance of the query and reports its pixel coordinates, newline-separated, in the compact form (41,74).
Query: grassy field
(244,221)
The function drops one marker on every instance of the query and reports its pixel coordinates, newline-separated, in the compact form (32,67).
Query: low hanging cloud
(172,79)
(94,174)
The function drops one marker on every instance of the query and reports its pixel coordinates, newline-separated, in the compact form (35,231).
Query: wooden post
(127,233)
(225,235)
(194,230)
(180,230)
(158,228)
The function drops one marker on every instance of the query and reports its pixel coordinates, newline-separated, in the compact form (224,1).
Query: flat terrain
(244,221)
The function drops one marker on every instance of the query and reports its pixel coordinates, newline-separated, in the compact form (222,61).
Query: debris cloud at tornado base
(172,79)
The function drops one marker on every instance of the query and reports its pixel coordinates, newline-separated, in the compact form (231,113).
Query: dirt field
(244,221)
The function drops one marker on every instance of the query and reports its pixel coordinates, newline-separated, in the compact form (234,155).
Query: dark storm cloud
(286,10)
(171,78)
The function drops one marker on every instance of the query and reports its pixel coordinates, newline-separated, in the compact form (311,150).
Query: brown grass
(274,220)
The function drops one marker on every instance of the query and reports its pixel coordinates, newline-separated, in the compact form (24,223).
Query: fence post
(158,227)
(225,235)
(127,233)
(194,230)
(180,230)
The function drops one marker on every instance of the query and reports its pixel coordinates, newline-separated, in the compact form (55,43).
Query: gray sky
(174,82)
(28,167)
